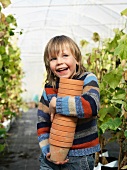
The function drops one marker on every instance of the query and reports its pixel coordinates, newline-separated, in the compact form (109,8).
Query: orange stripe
(87,108)
(86,145)
(43,130)
(51,90)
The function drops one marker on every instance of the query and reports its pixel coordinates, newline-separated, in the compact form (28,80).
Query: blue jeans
(75,163)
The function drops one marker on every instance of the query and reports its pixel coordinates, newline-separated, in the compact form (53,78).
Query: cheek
(52,67)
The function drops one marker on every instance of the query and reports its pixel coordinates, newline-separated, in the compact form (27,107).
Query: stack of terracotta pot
(63,127)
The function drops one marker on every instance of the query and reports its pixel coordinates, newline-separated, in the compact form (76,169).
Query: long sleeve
(44,124)
(84,106)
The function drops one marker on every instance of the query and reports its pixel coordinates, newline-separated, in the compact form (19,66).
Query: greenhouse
(99,28)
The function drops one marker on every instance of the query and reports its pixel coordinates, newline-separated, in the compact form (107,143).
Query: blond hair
(53,48)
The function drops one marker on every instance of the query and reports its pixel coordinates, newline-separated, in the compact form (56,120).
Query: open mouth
(62,69)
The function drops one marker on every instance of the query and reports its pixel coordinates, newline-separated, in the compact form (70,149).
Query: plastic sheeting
(43,19)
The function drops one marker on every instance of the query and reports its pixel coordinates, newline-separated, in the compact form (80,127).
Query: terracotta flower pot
(64,122)
(60,143)
(62,133)
(66,118)
(63,127)
(69,92)
(58,153)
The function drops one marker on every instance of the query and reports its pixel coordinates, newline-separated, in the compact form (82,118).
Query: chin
(64,77)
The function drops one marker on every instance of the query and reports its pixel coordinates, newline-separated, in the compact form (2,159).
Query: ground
(22,152)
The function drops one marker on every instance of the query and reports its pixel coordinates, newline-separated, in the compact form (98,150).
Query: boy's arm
(84,106)
(44,123)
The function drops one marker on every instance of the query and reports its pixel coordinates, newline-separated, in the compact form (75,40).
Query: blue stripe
(65,109)
(79,108)
(96,92)
(89,79)
(84,151)
(45,150)
(43,137)
(43,124)
(62,105)
(42,114)
(49,96)
(44,95)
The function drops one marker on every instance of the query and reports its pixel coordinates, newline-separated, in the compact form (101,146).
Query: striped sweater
(84,107)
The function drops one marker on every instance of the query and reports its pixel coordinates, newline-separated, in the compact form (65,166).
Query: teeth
(62,69)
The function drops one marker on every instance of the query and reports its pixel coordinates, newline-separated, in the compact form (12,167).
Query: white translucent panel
(44,19)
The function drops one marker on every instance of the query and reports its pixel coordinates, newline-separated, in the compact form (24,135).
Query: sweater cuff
(62,105)
(45,150)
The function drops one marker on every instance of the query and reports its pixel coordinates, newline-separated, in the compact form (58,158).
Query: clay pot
(58,153)
(69,92)
(64,122)
(63,127)
(56,139)
(66,118)
(62,133)
(71,81)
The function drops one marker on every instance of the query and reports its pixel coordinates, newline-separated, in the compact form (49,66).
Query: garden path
(22,144)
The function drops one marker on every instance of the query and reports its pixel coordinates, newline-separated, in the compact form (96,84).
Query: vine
(108,62)
(11,73)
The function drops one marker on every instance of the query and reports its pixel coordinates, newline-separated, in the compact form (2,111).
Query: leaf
(102,113)
(124,167)
(2,146)
(2,49)
(124,12)
(96,37)
(5,3)
(113,110)
(8,112)
(119,95)
(121,51)
(1,64)
(84,43)
(2,131)
(11,19)
(111,124)
(117,101)
(1,83)
(113,78)
(125,133)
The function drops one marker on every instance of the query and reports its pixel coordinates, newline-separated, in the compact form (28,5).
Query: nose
(59,60)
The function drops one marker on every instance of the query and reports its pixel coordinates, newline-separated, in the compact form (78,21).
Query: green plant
(11,73)
(108,62)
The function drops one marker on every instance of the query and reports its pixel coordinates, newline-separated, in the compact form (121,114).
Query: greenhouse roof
(43,19)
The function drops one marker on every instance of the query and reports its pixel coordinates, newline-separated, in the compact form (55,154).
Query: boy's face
(64,64)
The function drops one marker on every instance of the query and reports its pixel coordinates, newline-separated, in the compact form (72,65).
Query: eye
(65,55)
(53,58)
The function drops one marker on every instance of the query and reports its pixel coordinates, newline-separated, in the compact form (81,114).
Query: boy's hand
(52,108)
(58,163)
